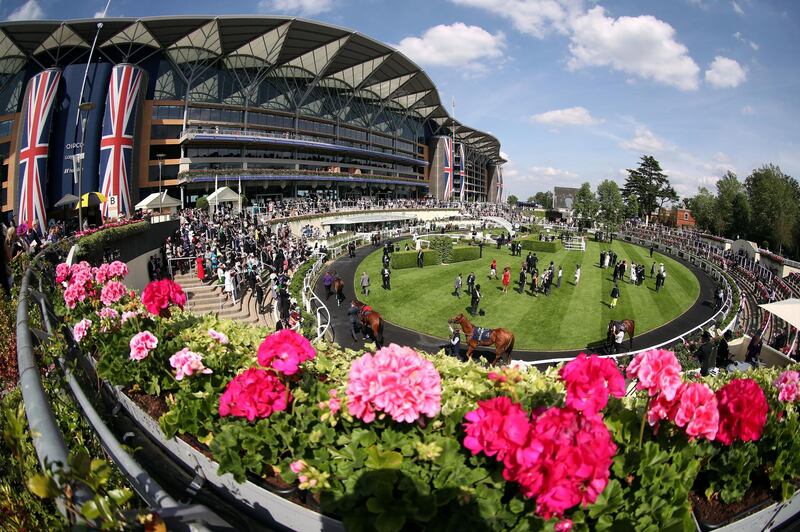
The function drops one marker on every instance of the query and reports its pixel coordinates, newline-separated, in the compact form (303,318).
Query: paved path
(345,266)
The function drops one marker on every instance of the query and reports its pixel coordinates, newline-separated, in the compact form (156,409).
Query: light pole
(77,159)
(160,196)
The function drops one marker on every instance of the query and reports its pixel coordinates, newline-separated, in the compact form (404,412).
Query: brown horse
(628,326)
(338,289)
(502,339)
(371,321)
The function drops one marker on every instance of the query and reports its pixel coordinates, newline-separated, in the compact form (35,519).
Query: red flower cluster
(694,407)
(742,411)
(159,295)
(589,380)
(284,351)
(254,393)
(561,456)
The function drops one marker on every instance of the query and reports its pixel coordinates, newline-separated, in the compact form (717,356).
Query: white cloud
(534,17)
(747,110)
(299,7)
(456,45)
(725,73)
(719,164)
(30,10)
(644,141)
(642,46)
(99,14)
(737,8)
(739,37)
(572,116)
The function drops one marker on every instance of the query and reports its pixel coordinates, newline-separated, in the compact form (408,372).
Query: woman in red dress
(506,278)
(201,271)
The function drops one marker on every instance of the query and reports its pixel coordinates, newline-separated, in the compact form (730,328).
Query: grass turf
(571,317)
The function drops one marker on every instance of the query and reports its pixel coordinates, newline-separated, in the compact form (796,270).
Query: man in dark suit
(420,258)
(470,282)
(522,279)
(386,276)
(476,299)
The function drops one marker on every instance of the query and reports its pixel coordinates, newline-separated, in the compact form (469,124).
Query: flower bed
(92,242)
(399,439)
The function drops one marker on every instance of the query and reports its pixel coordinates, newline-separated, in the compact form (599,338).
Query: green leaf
(43,486)
(90,511)
(120,496)
(377,459)
(516,506)
(80,462)
(390,521)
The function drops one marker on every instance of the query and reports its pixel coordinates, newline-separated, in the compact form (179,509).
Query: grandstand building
(284,106)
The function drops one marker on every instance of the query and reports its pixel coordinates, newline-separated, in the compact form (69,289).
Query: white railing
(721,313)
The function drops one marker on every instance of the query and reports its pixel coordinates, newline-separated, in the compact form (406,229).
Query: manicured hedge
(463,253)
(408,259)
(93,245)
(537,245)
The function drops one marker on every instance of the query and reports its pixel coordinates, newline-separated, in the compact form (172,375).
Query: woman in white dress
(577,274)
(229,283)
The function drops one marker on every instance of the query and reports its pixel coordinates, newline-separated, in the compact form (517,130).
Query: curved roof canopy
(332,56)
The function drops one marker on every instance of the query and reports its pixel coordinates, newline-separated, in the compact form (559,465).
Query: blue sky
(577,90)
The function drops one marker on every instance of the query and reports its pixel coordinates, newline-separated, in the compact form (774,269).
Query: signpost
(113,207)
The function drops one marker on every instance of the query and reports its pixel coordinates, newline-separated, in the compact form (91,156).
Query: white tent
(222,195)
(788,310)
(154,202)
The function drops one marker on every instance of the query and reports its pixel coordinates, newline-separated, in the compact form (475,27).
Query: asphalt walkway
(346,267)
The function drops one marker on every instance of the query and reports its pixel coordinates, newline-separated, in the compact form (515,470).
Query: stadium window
(167,112)
(170,151)
(168,171)
(165,132)
(5,127)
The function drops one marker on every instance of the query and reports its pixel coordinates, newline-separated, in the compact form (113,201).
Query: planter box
(262,503)
(765,519)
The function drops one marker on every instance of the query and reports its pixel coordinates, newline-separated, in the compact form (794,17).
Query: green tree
(612,208)
(741,217)
(545,199)
(650,185)
(704,207)
(774,198)
(512,199)
(728,189)
(586,205)
(631,207)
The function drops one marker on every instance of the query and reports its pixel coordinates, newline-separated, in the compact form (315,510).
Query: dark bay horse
(502,339)
(338,289)
(627,326)
(371,321)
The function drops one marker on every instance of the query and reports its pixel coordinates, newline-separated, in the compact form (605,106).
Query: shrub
(530,244)
(93,245)
(463,253)
(202,202)
(444,245)
(408,259)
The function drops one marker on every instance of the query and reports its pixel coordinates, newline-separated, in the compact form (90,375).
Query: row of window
(252,166)
(168,171)
(316,127)
(5,127)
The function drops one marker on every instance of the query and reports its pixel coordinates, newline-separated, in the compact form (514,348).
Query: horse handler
(352,313)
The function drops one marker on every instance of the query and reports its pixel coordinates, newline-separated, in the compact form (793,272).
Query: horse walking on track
(502,339)
(338,289)
(627,326)
(371,321)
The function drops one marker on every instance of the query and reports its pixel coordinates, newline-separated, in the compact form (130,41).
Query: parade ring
(570,320)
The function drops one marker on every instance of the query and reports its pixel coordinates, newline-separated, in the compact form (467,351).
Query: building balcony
(282,174)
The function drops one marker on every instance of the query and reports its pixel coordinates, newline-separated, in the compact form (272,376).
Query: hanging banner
(462,172)
(447,168)
(116,144)
(34,145)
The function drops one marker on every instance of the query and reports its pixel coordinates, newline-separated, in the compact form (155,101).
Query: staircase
(208,298)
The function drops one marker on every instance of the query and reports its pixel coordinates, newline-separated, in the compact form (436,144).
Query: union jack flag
(447,169)
(116,145)
(461,171)
(34,146)
(499,184)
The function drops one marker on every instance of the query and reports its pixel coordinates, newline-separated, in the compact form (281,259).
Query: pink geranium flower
(62,272)
(395,380)
(186,363)
(658,371)
(118,269)
(141,344)
(284,351)
(742,411)
(589,381)
(159,295)
(787,385)
(497,427)
(696,411)
(254,393)
(112,292)
(81,329)
(220,337)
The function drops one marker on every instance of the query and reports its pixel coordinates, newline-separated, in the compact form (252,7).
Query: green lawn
(570,318)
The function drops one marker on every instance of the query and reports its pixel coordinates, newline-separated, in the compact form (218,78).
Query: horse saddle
(480,334)
(364,312)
